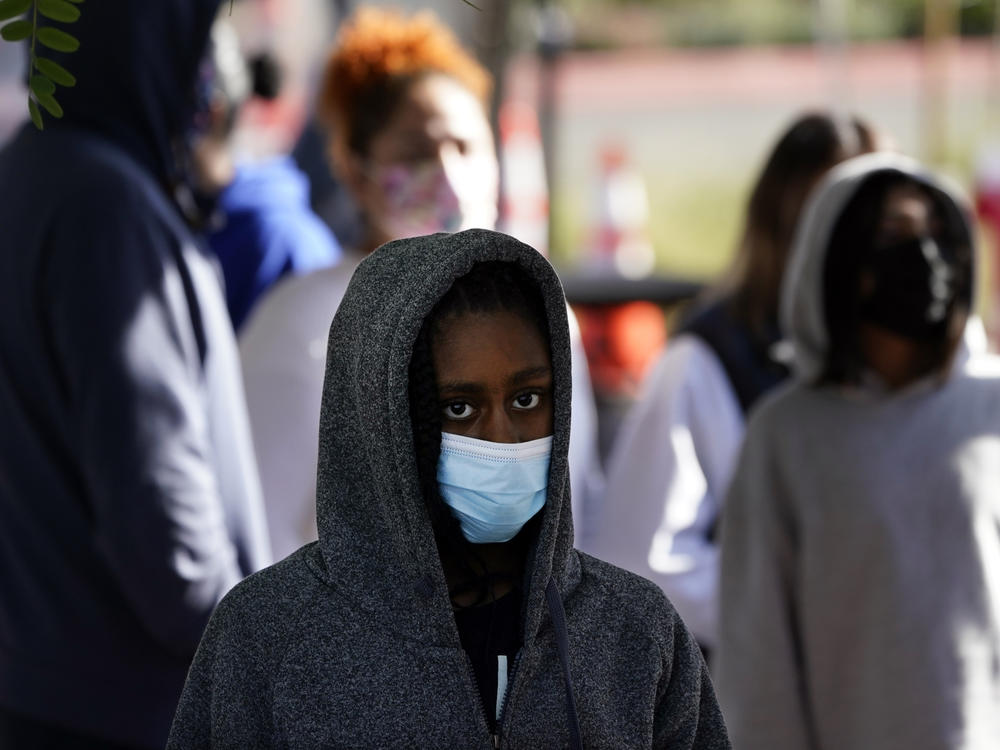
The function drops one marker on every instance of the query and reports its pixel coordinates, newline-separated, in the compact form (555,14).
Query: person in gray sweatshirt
(444,605)
(860,577)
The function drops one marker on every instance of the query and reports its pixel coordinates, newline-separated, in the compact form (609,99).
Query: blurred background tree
(609,24)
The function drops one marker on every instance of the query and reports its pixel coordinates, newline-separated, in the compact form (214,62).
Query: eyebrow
(531,373)
(457,386)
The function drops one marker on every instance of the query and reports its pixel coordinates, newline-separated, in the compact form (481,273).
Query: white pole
(993,115)
(940,25)
(830,32)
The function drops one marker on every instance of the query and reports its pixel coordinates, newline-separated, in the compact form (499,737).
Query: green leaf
(15,31)
(50,104)
(77,2)
(36,115)
(55,71)
(42,86)
(13,8)
(58,10)
(58,40)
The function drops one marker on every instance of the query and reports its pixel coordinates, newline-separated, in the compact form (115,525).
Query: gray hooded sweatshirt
(860,577)
(351,641)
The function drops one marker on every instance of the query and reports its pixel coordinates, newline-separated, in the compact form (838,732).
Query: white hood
(802,316)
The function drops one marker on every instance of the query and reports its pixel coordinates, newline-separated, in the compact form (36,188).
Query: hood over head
(375,532)
(136,70)
(803,316)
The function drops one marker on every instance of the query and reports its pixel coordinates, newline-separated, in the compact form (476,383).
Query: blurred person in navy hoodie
(129,499)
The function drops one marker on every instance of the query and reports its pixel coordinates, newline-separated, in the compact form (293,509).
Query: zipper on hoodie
(495,736)
(506,693)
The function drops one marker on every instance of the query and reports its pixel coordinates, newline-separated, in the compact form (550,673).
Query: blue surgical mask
(493,489)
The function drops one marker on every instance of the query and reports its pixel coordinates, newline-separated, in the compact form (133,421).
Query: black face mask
(914,288)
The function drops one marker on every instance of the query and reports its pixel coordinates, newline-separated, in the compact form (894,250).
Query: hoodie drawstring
(562,644)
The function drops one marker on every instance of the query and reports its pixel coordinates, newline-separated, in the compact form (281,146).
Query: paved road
(701,120)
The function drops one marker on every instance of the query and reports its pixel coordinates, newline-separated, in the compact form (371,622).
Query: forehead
(908,207)
(906,198)
(487,346)
(435,108)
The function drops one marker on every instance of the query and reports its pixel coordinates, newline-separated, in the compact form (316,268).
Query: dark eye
(527,401)
(457,410)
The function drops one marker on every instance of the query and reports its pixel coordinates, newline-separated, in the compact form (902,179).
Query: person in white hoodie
(860,572)
(671,463)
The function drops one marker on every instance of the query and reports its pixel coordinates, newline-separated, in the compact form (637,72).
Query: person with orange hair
(405,109)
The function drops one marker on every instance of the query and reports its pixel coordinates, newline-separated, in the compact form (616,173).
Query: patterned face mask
(425,198)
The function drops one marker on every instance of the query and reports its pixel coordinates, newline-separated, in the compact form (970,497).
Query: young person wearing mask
(672,461)
(409,137)
(129,501)
(860,588)
(443,605)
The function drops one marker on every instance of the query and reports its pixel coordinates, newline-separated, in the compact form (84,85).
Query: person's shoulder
(781,407)
(983,367)
(101,166)
(688,348)
(317,292)
(686,362)
(98,191)
(979,385)
(618,582)
(75,170)
(293,319)
(268,602)
(633,602)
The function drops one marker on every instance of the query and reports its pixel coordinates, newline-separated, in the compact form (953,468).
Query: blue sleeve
(128,341)
(258,249)
(295,244)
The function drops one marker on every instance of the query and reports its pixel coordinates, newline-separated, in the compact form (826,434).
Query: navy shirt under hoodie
(129,502)
(351,641)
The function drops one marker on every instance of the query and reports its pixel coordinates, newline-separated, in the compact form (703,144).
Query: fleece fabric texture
(351,641)
(860,576)
(269,231)
(129,502)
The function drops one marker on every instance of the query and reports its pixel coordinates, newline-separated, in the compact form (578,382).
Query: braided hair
(489,287)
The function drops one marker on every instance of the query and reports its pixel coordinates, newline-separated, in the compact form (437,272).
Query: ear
(218,116)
